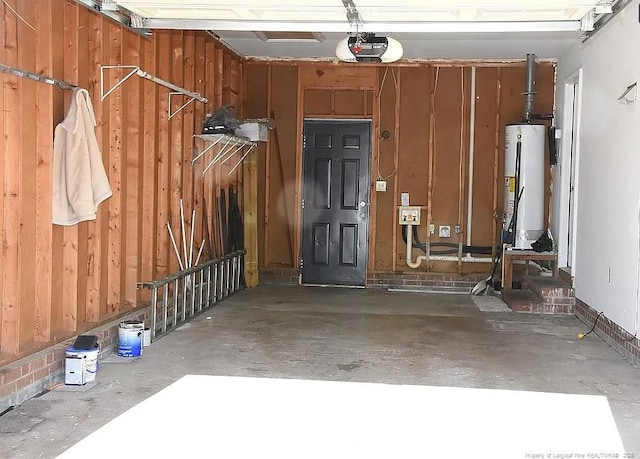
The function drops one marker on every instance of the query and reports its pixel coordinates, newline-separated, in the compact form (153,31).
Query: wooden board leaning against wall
(55,281)
(438,134)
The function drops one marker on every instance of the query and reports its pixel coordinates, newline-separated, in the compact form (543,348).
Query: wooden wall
(425,108)
(57,281)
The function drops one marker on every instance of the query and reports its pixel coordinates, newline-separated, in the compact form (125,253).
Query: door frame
(571,120)
(300,187)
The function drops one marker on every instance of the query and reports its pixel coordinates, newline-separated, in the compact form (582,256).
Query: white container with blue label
(130,338)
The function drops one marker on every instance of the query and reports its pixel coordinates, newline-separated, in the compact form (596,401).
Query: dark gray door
(335,214)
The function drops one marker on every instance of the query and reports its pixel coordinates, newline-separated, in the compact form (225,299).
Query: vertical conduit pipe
(472,118)
(529,94)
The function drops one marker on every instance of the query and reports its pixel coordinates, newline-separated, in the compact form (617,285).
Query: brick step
(548,287)
(543,295)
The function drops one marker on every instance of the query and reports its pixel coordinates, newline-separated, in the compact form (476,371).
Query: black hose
(472,249)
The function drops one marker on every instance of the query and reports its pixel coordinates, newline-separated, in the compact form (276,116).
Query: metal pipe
(176,290)
(36,77)
(472,131)
(184,298)
(529,94)
(165,302)
(201,290)
(464,259)
(154,311)
(215,283)
(166,84)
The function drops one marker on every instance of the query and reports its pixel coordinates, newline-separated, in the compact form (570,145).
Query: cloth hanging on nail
(80,182)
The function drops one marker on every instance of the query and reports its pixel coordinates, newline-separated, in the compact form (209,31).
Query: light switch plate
(404,199)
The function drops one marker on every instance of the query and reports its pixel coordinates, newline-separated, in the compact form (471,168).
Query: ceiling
(435,29)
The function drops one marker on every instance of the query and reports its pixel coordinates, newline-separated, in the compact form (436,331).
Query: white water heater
(529,220)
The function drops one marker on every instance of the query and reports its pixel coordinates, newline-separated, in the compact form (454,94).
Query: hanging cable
(435,143)
(380,176)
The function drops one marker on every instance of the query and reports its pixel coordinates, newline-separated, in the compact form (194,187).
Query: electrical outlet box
(381,185)
(457,229)
(444,231)
(409,215)
(432,229)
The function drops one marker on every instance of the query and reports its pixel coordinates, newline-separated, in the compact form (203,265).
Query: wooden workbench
(509,255)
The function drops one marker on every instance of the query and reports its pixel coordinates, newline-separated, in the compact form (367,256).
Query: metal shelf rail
(230,146)
(135,70)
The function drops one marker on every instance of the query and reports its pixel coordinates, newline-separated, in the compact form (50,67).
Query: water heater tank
(530,215)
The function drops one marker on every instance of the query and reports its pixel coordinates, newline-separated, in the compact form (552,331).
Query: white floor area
(236,417)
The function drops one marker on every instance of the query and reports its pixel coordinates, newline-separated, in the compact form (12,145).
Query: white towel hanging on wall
(80,182)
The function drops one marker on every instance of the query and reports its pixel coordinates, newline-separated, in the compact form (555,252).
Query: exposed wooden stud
(82,79)
(443,63)
(3,169)
(199,115)
(432,130)
(115,173)
(219,98)
(27,254)
(132,160)
(208,190)
(365,99)
(176,190)
(462,168)
(298,184)
(163,157)
(94,228)
(188,66)
(57,275)
(70,271)
(11,261)
(396,156)
(148,202)
(496,163)
(218,61)
(250,217)
(375,166)
(324,76)
(333,102)
(267,186)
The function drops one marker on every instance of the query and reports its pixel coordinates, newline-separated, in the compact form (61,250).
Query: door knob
(362,203)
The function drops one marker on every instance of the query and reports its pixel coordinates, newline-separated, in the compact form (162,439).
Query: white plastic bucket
(90,357)
(130,336)
(147,337)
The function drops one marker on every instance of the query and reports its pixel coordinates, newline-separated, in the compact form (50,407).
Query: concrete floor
(342,335)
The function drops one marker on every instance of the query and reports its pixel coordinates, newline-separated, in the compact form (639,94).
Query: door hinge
(303,203)
(304,141)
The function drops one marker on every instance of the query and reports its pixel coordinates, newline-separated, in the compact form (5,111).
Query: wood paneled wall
(425,108)
(57,281)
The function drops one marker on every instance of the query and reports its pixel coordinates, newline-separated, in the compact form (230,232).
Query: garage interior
(231,250)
